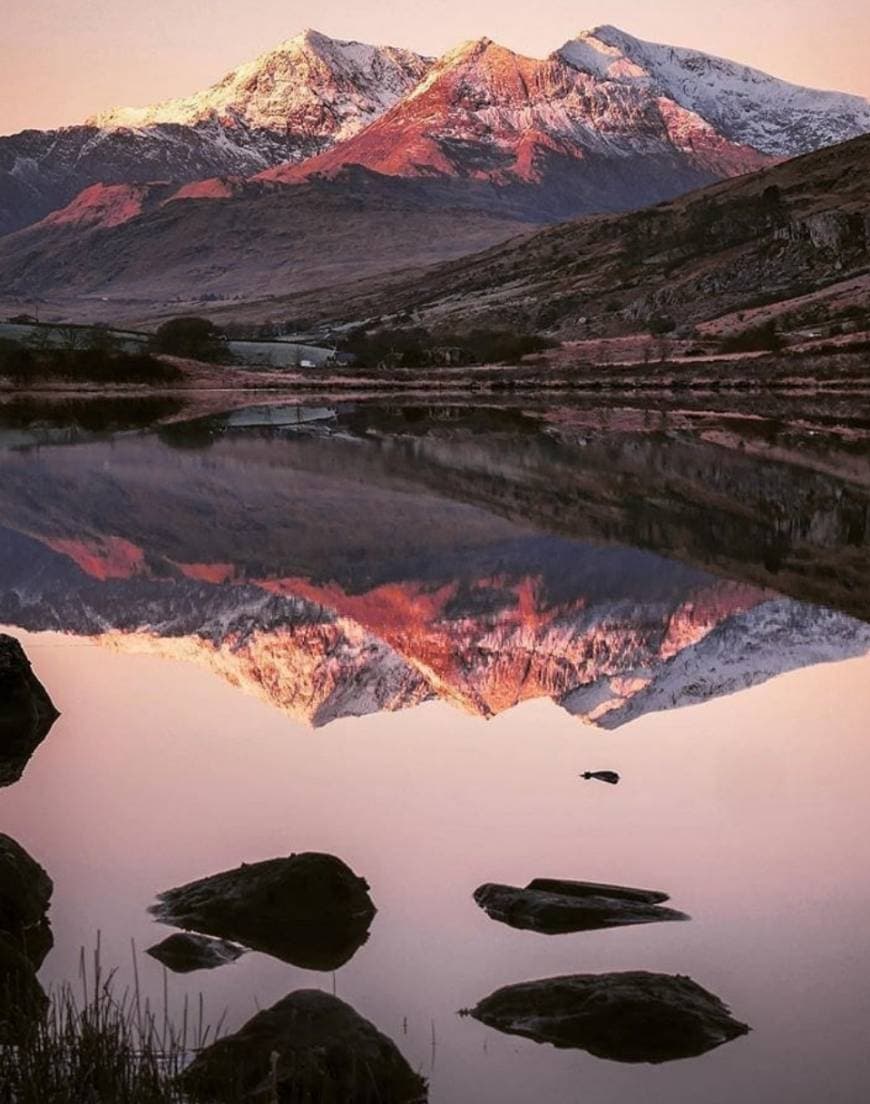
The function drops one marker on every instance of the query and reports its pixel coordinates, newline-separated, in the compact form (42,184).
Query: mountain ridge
(313,93)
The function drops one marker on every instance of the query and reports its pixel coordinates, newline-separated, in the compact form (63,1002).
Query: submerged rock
(26,711)
(552,906)
(626,1017)
(601,776)
(310,909)
(310,1046)
(185,952)
(25,895)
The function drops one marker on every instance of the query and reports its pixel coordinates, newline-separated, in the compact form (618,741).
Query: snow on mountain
(487,114)
(287,105)
(743,104)
(310,85)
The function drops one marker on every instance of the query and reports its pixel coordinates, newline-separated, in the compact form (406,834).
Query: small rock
(310,909)
(552,906)
(26,711)
(184,952)
(626,1017)
(602,776)
(310,1046)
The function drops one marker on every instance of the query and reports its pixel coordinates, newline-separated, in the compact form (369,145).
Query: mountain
(546,138)
(286,105)
(606,124)
(311,87)
(743,104)
(784,240)
(228,238)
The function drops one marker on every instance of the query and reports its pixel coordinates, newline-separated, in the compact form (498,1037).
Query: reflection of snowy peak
(743,104)
(616,643)
(749,648)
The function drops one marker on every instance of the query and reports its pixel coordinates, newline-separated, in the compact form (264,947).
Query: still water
(399,636)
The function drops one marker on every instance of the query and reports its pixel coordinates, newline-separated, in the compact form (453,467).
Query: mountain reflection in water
(391,557)
(357,561)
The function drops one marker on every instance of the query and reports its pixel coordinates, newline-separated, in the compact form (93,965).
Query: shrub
(193,337)
(761,338)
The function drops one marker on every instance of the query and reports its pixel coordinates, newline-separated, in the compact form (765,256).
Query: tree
(190,337)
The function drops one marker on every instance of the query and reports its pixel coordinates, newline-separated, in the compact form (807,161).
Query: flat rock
(626,1017)
(26,711)
(554,906)
(184,952)
(322,1050)
(309,909)
(25,895)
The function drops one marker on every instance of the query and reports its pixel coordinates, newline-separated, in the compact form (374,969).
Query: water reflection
(390,557)
(372,560)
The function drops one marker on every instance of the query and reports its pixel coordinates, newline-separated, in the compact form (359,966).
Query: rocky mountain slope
(769,237)
(741,103)
(286,105)
(546,136)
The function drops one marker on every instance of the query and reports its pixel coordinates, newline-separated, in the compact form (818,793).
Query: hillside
(254,241)
(797,229)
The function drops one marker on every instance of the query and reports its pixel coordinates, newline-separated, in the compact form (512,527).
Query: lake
(399,634)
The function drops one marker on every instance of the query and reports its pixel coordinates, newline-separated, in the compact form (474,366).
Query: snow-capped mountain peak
(311,84)
(744,104)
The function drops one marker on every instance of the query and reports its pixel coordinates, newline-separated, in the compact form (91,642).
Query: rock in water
(184,952)
(323,1051)
(626,1017)
(552,906)
(26,711)
(310,909)
(22,999)
(601,776)
(25,894)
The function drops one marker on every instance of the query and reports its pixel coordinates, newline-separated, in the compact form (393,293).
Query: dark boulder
(310,909)
(626,1017)
(26,711)
(25,894)
(552,906)
(184,952)
(22,999)
(601,776)
(310,1046)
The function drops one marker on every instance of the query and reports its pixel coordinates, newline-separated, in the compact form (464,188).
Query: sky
(61,60)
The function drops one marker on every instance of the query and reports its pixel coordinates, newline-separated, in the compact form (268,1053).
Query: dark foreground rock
(627,1017)
(26,711)
(552,906)
(22,999)
(25,894)
(185,952)
(310,1046)
(310,909)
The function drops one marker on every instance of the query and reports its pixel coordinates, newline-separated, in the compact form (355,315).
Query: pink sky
(64,59)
